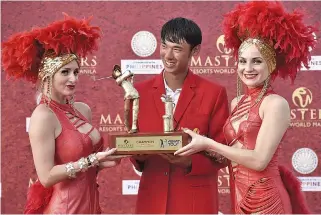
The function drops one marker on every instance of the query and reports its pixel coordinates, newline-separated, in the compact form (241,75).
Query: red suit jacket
(168,188)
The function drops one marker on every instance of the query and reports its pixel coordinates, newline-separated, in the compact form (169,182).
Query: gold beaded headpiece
(50,64)
(41,52)
(267,52)
(283,39)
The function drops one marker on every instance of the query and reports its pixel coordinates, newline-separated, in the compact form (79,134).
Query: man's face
(175,56)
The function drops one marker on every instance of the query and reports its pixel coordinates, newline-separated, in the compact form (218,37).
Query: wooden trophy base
(147,143)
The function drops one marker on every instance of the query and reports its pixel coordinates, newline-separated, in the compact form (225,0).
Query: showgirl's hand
(197,144)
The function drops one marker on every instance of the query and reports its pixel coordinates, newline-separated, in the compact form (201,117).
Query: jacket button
(165,173)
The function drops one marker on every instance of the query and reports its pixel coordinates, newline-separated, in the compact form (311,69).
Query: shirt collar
(167,89)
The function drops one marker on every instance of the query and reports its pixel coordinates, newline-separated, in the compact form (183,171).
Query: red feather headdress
(23,52)
(285,32)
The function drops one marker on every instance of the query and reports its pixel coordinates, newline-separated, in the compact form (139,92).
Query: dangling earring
(42,86)
(41,92)
(239,90)
(49,86)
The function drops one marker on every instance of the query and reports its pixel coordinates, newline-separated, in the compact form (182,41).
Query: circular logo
(220,45)
(302,97)
(144,43)
(304,160)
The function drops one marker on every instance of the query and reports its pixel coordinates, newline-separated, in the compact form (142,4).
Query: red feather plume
(22,53)
(290,37)
(38,197)
(293,186)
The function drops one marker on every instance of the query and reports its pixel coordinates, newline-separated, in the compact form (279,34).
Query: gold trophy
(135,142)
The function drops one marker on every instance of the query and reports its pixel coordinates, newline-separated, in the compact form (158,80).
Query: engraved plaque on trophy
(135,142)
(147,143)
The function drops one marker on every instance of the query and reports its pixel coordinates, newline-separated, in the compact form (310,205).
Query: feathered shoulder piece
(23,52)
(268,21)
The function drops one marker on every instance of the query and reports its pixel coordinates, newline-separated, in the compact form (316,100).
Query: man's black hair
(181,29)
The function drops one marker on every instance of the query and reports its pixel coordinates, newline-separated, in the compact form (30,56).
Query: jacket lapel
(158,91)
(185,97)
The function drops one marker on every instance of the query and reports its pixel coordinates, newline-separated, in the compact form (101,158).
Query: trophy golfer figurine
(168,117)
(125,80)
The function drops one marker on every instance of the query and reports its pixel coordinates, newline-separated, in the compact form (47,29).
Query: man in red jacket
(171,184)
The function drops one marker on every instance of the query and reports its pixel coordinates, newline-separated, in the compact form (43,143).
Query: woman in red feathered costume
(66,148)
(267,42)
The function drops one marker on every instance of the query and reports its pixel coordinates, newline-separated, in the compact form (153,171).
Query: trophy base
(147,143)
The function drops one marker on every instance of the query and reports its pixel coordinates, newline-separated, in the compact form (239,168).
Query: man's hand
(185,162)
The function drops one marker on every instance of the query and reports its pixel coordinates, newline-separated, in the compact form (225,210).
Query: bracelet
(83,165)
(70,169)
(93,160)
(88,161)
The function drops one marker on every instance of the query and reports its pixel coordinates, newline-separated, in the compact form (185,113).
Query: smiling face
(65,80)
(176,56)
(181,38)
(252,68)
